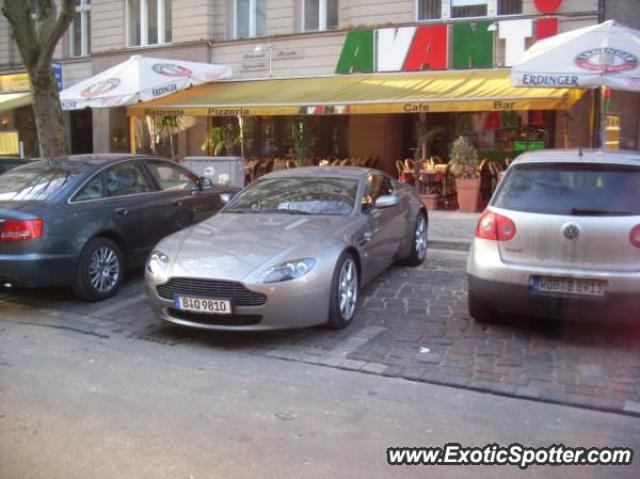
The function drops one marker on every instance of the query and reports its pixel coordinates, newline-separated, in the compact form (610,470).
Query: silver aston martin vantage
(291,250)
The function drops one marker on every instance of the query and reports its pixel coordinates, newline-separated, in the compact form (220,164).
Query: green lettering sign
(357,53)
(472,47)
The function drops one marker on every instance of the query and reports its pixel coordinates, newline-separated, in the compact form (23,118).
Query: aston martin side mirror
(387,201)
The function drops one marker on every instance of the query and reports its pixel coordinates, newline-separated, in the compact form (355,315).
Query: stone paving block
(408,309)
(632,407)
(374,368)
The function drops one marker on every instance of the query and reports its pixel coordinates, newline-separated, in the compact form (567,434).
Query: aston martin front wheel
(418,243)
(344,292)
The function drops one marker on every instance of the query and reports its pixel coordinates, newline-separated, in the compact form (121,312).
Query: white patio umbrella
(139,79)
(602,55)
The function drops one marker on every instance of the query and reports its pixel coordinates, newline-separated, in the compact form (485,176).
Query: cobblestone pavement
(412,323)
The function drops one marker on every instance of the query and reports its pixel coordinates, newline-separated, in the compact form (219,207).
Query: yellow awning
(11,101)
(469,90)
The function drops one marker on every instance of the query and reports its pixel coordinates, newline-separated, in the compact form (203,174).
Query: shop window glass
(429,9)
(469,8)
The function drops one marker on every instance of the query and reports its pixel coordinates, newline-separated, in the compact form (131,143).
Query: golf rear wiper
(598,212)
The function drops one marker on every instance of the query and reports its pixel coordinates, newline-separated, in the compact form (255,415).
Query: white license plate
(579,287)
(203,305)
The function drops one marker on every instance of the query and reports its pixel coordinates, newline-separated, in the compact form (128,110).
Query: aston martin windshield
(293,195)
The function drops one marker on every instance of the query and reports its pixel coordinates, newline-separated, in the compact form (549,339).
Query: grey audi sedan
(291,250)
(561,239)
(81,221)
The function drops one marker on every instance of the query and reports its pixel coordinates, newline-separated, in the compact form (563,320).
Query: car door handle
(365,238)
(122,211)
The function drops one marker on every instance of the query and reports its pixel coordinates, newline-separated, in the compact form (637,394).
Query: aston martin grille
(208,288)
(217,319)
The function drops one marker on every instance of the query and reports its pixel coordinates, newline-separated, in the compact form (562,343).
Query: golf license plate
(579,287)
(203,305)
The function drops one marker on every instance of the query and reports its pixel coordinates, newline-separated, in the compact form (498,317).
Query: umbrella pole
(603,118)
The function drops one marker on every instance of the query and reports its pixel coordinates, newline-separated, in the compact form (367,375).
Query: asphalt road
(73,405)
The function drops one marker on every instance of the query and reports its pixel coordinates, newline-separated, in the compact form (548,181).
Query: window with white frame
(319,15)
(436,9)
(149,22)
(250,18)
(80,30)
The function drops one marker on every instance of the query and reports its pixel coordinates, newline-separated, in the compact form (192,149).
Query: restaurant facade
(360,78)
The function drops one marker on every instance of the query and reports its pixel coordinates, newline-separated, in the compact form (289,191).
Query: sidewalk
(451,229)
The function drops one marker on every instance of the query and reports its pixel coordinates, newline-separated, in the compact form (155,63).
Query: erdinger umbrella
(606,54)
(598,56)
(139,79)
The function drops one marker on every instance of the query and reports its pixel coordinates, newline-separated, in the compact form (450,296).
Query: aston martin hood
(232,246)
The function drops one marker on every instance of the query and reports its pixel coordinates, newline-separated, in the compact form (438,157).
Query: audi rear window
(579,189)
(38,181)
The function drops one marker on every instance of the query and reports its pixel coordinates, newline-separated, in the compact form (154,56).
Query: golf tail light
(634,236)
(19,230)
(495,227)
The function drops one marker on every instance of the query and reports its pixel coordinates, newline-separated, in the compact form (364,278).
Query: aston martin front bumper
(297,303)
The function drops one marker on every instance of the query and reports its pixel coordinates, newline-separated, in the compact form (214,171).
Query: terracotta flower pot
(468,194)
(430,201)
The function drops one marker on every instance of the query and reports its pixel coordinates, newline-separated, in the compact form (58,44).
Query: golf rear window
(571,189)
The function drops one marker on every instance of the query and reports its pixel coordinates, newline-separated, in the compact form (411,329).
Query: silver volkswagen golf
(560,239)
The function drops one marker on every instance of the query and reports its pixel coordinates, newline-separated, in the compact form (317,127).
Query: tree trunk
(48,114)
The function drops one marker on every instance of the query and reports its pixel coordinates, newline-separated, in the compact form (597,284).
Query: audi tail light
(20,230)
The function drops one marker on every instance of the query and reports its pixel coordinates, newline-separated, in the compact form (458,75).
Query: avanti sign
(427,47)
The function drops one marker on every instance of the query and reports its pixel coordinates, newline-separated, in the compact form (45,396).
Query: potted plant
(430,198)
(463,164)
(302,132)
(222,138)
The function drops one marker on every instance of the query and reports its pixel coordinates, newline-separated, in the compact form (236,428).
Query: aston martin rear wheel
(344,292)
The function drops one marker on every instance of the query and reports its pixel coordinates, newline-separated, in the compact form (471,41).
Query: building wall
(203,31)
(625,104)
(624,11)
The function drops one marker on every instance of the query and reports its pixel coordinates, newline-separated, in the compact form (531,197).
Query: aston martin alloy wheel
(344,292)
(418,243)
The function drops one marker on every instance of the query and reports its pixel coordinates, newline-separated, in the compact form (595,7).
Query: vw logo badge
(571,231)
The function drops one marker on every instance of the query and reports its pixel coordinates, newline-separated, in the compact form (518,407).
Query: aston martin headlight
(157,263)
(289,270)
